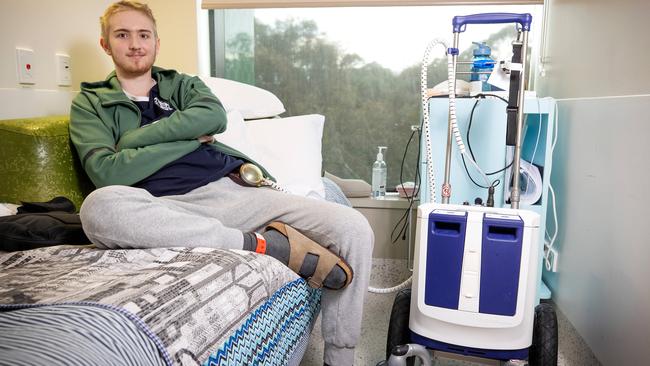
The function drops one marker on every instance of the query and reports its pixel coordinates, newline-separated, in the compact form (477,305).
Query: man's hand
(206,139)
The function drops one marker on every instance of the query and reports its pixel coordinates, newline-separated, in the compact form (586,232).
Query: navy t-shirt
(198,168)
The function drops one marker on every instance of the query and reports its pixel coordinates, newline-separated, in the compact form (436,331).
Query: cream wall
(597,55)
(177,31)
(72,27)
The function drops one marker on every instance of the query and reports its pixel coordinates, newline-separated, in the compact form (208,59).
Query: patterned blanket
(199,306)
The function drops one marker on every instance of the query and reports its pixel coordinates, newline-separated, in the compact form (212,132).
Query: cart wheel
(543,351)
(398,328)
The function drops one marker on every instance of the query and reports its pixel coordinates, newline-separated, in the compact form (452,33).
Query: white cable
(549,245)
(274,185)
(431,180)
(399,287)
(451,86)
(551,242)
(451,76)
(539,133)
(478,169)
(555,127)
(555,131)
(532,159)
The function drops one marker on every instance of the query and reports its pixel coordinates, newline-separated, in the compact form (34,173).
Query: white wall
(597,54)
(72,27)
(597,48)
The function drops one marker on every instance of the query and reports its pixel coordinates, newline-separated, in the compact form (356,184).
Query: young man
(144,136)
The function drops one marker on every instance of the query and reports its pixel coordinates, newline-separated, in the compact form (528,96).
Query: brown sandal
(301,246)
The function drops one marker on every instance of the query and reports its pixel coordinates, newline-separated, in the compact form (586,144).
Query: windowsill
(392,200)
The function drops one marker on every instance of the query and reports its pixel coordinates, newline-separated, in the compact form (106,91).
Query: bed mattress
(180,306)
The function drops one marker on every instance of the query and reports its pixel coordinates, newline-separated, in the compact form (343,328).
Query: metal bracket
(508,66)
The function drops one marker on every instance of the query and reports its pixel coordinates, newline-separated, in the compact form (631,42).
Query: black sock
(277,246)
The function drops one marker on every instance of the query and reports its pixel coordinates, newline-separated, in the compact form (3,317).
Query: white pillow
(251,101)
(290,149)
(236,135)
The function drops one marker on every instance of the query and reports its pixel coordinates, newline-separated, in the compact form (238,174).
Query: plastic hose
(451,75)
(401,286)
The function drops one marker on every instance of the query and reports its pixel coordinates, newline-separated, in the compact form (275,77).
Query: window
(359,67)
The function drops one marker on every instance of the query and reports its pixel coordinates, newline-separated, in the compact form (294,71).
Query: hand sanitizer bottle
(379,175)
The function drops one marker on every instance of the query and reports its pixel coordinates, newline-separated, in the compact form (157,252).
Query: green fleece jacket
(114,149)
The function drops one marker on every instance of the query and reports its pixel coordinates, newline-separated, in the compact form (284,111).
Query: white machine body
(475,276)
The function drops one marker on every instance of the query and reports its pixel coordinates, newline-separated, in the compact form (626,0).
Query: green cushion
(38,161)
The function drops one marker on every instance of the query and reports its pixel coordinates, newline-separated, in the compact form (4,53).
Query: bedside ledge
(392,200)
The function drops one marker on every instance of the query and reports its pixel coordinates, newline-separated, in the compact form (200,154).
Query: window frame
(250,4)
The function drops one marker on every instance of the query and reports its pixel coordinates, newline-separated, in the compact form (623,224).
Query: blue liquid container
(482,62)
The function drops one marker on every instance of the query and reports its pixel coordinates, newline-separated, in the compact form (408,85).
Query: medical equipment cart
(477,268)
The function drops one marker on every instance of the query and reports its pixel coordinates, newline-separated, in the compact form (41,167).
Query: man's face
(131,43)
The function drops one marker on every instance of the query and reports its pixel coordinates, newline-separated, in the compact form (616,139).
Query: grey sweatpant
(217,214)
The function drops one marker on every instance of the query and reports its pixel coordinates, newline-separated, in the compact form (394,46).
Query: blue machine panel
(445,246)
(500,265)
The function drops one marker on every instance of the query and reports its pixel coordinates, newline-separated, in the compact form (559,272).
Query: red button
(28,66)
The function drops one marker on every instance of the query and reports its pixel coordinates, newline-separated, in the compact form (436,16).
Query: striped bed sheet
(74,335)
(172,306)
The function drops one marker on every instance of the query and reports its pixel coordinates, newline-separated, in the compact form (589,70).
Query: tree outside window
(365,104)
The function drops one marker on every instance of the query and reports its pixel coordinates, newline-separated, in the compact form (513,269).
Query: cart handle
(460,21)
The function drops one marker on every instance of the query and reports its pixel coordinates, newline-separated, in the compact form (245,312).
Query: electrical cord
(483,95)
(539,133)
(549,245)
(469,128)
(479,97)
(411,199)
(496,182)
(532,159)
(403,220)
(406,283)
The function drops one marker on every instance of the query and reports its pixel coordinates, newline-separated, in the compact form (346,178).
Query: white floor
(388,272)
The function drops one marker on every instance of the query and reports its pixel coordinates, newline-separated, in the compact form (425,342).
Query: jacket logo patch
(162,104)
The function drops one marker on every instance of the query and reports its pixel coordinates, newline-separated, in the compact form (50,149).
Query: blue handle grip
(460,21)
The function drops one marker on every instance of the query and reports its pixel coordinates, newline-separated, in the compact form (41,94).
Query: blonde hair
(122,6)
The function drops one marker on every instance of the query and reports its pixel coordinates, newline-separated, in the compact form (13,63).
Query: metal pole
(446,186)
(514,192)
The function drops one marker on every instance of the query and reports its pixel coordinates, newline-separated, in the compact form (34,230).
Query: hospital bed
(171,306)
